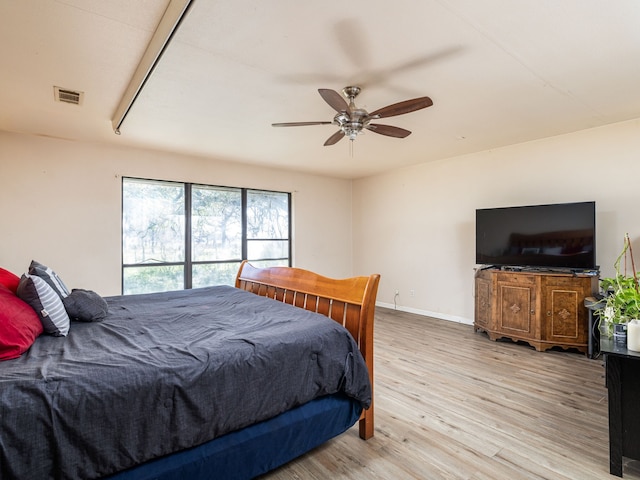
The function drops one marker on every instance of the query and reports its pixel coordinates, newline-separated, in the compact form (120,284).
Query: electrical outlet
(412,293)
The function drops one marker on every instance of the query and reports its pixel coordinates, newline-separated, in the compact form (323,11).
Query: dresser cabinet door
(564,316)
(483,307)
(517,314)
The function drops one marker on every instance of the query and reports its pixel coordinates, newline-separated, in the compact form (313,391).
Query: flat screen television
(556,236)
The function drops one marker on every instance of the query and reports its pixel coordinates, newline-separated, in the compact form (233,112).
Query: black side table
(623,386)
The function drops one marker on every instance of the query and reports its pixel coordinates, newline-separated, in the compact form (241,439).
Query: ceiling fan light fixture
(353,120)
(352,129)
(351,132)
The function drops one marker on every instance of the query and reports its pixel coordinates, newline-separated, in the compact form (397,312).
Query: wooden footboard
(349,301)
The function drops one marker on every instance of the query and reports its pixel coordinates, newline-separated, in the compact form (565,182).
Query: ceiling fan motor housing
(353,123)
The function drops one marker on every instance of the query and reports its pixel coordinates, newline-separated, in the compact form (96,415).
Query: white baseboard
(426,313)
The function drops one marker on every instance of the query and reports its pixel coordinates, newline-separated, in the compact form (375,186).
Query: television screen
(543,236)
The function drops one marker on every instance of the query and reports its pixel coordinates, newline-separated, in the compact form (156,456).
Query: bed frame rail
(349,301)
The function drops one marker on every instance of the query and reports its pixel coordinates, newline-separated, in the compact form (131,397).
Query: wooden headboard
(349,301)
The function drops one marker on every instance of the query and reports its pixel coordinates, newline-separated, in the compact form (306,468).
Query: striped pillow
(50,277)
(47,304)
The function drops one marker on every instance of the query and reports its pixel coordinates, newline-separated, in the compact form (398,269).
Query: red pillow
(9,280)
(19,325)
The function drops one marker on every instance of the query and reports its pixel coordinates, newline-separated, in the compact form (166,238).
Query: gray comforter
(164,372)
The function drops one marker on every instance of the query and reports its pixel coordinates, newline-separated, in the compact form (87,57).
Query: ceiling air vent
(68,96)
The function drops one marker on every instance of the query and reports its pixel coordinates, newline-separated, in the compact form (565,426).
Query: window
(183,235)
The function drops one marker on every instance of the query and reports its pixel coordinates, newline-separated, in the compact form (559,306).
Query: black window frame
(188,261)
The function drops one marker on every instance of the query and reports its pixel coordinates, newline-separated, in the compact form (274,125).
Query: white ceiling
(499,72)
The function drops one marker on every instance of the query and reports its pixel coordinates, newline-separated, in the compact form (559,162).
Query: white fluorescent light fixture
(173,15)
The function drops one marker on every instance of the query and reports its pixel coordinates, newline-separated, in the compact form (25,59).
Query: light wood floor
(451,404)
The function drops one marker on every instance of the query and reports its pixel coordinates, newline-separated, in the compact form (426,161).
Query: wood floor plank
(452,404)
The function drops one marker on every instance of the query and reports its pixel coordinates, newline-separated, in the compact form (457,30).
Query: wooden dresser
(544,309)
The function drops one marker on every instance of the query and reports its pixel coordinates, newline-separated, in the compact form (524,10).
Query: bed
(219,382)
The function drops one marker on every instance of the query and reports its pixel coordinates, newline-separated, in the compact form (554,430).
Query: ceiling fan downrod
(353,121)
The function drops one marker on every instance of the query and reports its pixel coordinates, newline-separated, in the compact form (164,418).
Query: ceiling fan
(352,120)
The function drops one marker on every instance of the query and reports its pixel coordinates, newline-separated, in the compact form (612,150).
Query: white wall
(416,226)
(60,203)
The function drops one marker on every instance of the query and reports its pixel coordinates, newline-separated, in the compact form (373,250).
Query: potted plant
(622,293)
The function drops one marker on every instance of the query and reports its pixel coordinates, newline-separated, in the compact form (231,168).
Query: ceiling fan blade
(335,138)
(351,36)
(334,99)
(402,107)
(299,124)
(388,130)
